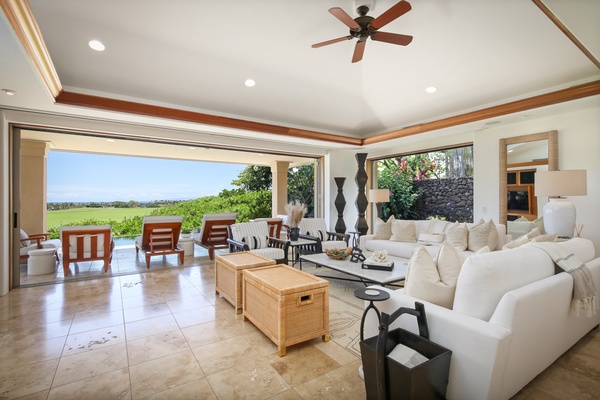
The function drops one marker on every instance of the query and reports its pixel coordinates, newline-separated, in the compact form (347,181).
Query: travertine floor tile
(198,389)
(96,321)
(302,363)
(343,383)
(90,363)
(156,346)
(255,379)
(150,326)
(43,350)
(225,354)
(21,381)
(195,316)
(148,311)
(566,384)
(94,339)
(164,373)
(108,386)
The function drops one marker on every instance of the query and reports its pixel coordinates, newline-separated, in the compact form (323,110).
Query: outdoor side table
(371,295)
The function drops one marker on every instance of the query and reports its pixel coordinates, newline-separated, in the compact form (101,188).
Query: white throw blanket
(585,296)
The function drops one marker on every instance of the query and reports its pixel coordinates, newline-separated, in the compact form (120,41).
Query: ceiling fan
(364,27)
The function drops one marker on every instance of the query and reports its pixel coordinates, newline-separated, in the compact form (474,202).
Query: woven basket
(338,254)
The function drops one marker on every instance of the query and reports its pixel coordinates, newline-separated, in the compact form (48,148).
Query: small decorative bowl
(338,254)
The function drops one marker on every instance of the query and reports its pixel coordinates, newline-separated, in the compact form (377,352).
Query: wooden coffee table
(365,276)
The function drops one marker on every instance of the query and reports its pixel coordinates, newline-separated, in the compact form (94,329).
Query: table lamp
(559,212)
(379,196)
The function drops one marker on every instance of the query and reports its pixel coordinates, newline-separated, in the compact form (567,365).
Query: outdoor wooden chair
(213,233)
(160,237)
(86,244)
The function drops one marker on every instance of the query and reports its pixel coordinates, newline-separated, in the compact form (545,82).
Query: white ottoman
(41,261)
(187,245)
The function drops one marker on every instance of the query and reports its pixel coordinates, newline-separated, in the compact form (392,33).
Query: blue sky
(79,177)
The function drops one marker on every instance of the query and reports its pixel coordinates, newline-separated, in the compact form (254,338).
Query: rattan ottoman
(287,305)
(229,270)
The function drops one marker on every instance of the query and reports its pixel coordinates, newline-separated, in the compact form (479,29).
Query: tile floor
(163,334)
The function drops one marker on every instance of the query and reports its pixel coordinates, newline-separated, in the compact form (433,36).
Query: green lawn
(62,217)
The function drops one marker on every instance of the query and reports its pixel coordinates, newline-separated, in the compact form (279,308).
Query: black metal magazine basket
(386,378)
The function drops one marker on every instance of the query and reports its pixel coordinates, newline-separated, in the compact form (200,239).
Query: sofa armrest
(479,348)
(280,244)
(363,241)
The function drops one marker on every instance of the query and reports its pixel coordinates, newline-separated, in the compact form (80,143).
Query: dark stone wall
(450,198)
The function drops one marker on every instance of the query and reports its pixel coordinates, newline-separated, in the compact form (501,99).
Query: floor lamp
(379,196)
(559,212)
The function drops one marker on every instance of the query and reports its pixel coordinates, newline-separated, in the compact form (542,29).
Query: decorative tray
(388,266)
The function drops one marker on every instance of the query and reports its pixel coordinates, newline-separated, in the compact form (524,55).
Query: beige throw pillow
(457,235)
(545,238)
(479,235)
(518,242)
(383,230)
(493,238)
(404,231)
(533,233)
(431,281)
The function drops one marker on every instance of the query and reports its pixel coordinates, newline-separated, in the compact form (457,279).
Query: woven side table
(228,274)
(287,305)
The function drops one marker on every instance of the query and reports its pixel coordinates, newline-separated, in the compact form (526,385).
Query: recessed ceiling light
(191,148)
(431,89)
(496,122)
(9,92)
(111,140)
(249,82)
(96,45)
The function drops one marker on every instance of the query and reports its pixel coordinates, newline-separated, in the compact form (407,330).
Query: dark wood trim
(566,31)
(110,104)
(559,96)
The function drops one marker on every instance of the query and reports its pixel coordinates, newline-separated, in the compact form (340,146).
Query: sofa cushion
(383,230)
(518,242)
(314,227)
(437,226)
(433,280)
(457,235)
(399,249)
(431,238)
(484,278)
(404,231)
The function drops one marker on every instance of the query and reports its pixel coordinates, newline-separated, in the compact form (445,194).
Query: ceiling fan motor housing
(364,21)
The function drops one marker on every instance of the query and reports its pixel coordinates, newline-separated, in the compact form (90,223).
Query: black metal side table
(371,295)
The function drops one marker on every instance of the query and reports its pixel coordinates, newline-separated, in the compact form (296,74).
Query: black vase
(361,200)
(340,204)
(294,234)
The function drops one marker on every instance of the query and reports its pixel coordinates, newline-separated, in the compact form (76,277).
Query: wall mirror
(520,158)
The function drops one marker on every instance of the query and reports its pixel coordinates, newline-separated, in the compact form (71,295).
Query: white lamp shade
(379,195)
(561,183)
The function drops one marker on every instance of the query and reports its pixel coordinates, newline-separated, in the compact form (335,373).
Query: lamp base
(559,216)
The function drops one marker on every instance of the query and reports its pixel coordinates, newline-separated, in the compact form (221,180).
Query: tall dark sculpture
(340,204)
(361,200)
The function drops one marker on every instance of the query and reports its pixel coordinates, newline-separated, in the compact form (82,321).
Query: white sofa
(510,320)
(432,227)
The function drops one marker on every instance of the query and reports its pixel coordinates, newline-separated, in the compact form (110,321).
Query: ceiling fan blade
(393,38)
(391,14)
(359,49)
(344,17)
(332,41)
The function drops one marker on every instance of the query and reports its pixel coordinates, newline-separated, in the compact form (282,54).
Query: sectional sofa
(510,319)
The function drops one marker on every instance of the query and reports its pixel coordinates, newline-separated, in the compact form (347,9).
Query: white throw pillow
(518,242)
(482,250)
(493,238)
(437,226)
(383,230)
(431,238)
(545,238)
(479,235)
(533,233)
(457,236)
(404,231)
(540,224)
(425,279)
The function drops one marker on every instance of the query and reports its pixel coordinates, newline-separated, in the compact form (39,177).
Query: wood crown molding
(21,18)
(105,103)
(559,96)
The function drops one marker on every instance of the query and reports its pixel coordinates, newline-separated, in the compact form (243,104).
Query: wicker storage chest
(229,270)
(287,305)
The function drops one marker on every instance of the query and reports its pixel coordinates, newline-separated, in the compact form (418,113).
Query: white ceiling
(196,54)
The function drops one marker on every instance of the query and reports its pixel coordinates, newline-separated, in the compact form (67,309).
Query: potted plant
(295,212)
(185,233)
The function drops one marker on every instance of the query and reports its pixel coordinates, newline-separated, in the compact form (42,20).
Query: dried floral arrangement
(295,212)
